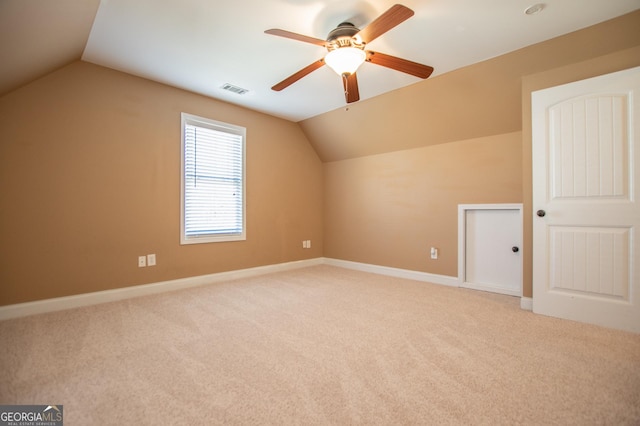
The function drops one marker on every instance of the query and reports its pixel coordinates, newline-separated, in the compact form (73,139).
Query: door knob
(515,249)
(541,213)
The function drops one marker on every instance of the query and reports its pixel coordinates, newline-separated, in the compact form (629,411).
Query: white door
(586,190)
(491,256)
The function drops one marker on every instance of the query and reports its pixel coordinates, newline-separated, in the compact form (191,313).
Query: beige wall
(89,180)
(389,209)
(89,170)
(465,137)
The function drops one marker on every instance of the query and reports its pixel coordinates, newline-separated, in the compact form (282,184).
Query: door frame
(462,242)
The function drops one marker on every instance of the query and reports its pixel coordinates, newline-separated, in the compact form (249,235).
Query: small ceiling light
(345,60)
(536,8)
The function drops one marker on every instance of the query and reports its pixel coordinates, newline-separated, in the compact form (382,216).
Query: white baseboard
(86,299)
(490,289)
(394,272)
(526,303)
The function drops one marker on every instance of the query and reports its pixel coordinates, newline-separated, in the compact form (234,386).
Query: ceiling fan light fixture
(345,60)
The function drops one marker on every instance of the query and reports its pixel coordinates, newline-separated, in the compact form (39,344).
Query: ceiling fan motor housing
(344,36)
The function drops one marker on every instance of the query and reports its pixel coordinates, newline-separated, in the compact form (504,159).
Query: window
(212,199)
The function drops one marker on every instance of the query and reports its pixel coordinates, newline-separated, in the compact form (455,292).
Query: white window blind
(213,181)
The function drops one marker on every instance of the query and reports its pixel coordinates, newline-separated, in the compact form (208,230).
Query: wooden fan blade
(350,83)
(398,64)
(389,19)
(297,76)
(295,36)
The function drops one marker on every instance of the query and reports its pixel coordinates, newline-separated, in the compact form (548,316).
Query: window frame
(190,119)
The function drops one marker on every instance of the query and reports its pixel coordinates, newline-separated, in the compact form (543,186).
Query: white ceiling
(199,45)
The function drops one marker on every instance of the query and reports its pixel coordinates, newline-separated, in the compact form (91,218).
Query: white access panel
(490,247)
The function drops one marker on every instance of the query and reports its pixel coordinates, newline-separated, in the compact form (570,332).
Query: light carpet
(320,345)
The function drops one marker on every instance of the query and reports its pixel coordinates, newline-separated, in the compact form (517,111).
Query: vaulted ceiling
(201,45)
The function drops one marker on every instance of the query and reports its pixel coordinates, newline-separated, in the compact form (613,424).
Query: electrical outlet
(434,253)
(151,260)
(142,261)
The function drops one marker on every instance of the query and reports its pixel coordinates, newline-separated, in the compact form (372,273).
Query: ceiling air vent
(235,89)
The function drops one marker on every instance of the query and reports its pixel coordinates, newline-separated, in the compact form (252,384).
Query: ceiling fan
(346,51)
